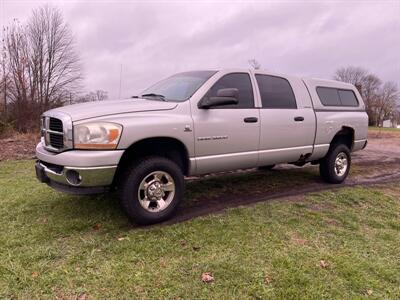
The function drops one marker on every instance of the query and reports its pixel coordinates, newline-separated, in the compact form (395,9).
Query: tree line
(40,70)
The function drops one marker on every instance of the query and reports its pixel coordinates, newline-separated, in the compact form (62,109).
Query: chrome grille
(56,125)
(56,132)
(56,140)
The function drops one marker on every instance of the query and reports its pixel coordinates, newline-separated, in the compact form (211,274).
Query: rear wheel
(335,166)
(151,190)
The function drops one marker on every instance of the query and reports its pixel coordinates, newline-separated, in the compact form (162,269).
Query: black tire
(327,165)
(129,189)
(266,168)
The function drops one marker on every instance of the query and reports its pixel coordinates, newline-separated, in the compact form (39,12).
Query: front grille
(55,125)
(56,140)
(53,133)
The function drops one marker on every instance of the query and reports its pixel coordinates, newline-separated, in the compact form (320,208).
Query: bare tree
(42,63)
(353,75)
(17,53)
(370,86)
(98,95)
(54,63)
(386,103)
(4,79)
(101,95)
(254,64)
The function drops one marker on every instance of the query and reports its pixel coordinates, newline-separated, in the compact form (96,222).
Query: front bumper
(77,171)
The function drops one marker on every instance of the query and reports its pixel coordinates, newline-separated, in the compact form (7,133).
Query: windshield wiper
(162,97)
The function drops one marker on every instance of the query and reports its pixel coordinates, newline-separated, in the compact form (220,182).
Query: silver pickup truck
(195,123)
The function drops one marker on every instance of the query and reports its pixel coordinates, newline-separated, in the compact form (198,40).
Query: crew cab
(195,123)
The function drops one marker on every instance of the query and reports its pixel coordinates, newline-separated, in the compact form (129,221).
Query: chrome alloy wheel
(156,191)
(341,164)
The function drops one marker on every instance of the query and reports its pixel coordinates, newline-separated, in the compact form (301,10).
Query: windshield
(178,87)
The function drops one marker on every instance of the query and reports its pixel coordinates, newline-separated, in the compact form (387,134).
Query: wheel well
(344,136)
(170,148)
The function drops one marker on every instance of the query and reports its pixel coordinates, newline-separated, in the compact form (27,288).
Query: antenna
(120,82)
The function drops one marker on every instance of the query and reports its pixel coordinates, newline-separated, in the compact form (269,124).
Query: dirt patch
(378,134)
(378,151)
(20,146)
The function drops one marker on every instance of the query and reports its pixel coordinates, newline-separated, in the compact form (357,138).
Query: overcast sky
(153,39)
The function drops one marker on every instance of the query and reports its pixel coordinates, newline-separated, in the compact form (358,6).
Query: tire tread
(129,176)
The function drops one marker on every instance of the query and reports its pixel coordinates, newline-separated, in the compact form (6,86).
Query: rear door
(227,137)
(287,120)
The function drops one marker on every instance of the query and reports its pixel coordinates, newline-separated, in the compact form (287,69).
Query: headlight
(97,135)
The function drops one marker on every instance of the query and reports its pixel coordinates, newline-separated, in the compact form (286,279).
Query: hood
(110,107)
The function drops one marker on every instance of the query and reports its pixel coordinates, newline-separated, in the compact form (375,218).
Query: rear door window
(275,92)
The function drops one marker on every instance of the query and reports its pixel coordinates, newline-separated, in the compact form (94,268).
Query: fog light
(73,177)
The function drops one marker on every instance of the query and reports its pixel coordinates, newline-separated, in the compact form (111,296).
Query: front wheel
(335,166)
(151,190)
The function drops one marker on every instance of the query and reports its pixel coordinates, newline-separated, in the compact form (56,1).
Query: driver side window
(240,81)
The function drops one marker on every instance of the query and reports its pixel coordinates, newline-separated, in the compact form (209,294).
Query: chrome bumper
(76,176)
(77,168)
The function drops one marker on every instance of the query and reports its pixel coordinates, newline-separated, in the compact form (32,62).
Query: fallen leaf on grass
(183,243)
(35,274)
(196,248)
(121,238)
(43,220)
(323,264)
(267,279)
(96,226)
(369,292)
(163,262)
(207,277)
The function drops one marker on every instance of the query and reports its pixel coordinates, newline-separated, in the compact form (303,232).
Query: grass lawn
(342,244)
(374,128)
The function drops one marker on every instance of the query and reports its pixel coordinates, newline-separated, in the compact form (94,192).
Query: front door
(227,137)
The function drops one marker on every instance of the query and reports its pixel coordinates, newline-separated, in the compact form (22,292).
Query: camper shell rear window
(336,97)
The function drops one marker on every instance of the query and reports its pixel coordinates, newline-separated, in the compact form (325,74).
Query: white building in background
(390,124)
